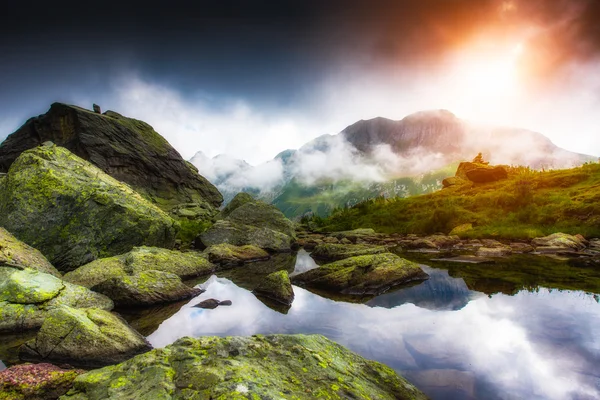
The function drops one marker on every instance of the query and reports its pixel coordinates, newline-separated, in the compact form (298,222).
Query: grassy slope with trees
(528,204)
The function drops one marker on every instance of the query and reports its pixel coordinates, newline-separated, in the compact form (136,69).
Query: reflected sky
(535,345)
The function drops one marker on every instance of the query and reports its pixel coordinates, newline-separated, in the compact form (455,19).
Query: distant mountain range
(379,157)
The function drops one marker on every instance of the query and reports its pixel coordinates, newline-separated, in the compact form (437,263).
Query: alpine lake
(522,327)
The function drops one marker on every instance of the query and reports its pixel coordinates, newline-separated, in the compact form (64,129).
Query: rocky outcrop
(334,252)
(239,200)
(481,173)
(73,212)
(559,240)
(16,254)
(228,254)
(276,286)
(146,288)
(143,276)
(125,148)
(369,274)
(27,296)
(274,366)
(36,382)
(84,338)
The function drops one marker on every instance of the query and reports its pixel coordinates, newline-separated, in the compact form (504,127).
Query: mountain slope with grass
(527,204)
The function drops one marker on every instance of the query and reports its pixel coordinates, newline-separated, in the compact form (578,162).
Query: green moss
(527,204)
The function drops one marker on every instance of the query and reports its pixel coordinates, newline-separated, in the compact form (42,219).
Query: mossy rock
(85,338)
(73,212)
(334,252)
(277,286)
(16,254)
(239,200)
(262,215)
(146,288)
(226,254)
(125,148)
(369,274)
(225,231)
(257,367)
(559,239)
(36,382)
(26,297)
(140,259)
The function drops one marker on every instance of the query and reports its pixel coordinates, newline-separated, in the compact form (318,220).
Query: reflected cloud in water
(536,345)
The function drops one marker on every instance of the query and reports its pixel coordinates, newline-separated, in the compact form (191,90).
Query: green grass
(527,204)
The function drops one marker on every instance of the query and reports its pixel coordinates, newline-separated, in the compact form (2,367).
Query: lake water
(451,341)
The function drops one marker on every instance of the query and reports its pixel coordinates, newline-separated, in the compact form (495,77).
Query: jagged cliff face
(125,148)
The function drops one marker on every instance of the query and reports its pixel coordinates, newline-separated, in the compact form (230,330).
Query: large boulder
(481,173)
(16,254)
(334,252)
(369,274)
(277,286)
(125,148)
(246,221)
(225,231)
(227,254)
(36,381)
(265,367)
(84,338)
(73,212)
(27,296)
(140,259)
(146,288)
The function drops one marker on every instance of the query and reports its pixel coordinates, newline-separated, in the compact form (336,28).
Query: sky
(252,78)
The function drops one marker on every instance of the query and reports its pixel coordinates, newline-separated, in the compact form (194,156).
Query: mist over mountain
(376,157)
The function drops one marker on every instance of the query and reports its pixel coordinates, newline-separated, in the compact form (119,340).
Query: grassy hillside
(297,199)
(527,204)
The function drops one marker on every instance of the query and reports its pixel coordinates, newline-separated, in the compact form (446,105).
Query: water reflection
(535,345)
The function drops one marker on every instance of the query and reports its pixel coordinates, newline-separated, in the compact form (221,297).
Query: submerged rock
(16,254)
(370,274)
(140,259)
(276,286)
(212,303)
(73,212)
(334,252)
(27,296)
(226,253)
(274,366)
(146,288)
(85,338)
(125,148)
(36,381)
(561,240)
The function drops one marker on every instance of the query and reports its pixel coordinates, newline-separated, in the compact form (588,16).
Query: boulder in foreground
(73,212)
(265,367)
(335,252)
(369,274)
(228,254)
(84,338)
(36,381)
(27,296)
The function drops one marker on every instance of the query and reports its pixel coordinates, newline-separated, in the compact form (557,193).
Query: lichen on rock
(273,366)
(368,274)
(27,296)
(334,252)
(16,254)
(277,286)
(84,337)
(225,253)
(73,212)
